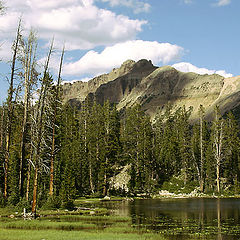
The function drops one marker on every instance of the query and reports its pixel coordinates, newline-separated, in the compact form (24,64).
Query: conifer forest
(52,152)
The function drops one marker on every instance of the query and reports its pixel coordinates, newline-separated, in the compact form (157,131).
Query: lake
(183,218)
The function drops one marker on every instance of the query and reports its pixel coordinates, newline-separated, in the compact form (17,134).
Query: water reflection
(185,218)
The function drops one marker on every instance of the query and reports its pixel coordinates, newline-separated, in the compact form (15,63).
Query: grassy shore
(85,222)
(71,227)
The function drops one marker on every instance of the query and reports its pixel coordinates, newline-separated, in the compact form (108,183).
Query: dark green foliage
(137,147)
(178,185)
(69,205)
(23,203)
(53,202)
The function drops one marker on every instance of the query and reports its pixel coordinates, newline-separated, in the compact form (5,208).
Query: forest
(52,153)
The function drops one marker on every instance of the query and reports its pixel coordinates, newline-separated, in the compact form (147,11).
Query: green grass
(83,227)
(45,225)
(16,234)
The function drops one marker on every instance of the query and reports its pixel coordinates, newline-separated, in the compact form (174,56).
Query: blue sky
(202,36)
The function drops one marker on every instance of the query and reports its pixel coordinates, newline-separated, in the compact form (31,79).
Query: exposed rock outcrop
(79,90)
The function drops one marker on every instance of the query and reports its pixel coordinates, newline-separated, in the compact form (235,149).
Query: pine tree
(68,153)
(182,128)
(111,143)
(55,107)
(137,146)
(231,153)
(166,146)
(199,148)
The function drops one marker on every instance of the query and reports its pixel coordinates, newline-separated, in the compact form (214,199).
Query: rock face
(80,90)
(153,88)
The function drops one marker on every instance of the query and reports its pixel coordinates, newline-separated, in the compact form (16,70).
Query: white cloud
(221,3)
(188,67)
(77,80)
(136,5)
(94,63)
(79,22)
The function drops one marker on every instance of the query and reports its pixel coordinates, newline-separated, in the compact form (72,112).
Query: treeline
(87,147)
(51,153)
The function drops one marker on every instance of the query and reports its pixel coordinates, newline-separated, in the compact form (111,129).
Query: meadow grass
(87,227)
(16,234)
(94,223)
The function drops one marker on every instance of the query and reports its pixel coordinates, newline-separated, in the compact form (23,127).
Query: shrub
(53,202)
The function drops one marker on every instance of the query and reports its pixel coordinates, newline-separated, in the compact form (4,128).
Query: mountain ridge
(156,87)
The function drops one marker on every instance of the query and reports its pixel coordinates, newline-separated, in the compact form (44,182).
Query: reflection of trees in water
(197,215)
(219,219)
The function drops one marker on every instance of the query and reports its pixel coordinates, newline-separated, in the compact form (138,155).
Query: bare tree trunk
(201,150)
(218,175)
(218,142)
(54,127)
(28,181)
(2,127)
(10,110)
(105,189)
(85,150)
(35,185)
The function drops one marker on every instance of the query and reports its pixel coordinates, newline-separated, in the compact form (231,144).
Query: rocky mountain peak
(156,87)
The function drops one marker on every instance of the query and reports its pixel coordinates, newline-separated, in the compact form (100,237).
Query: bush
(69,205)
(176,185)
(52,203)
(2,201)
(13,199)
(23,203)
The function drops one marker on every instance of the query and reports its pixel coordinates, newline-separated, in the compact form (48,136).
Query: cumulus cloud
(188,67)
(221,3)
(136,5)
(79,22)
(93,63)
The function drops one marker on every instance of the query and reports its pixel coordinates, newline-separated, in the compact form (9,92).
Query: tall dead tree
(218,145)
(201,178)
(53,147)
(38,128)
(2,127)
(10,108)
(28,62)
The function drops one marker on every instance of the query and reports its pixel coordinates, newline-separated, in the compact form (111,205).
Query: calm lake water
(184,218)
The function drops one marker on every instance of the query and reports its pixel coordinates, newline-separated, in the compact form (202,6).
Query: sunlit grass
(14,234)
(86,227)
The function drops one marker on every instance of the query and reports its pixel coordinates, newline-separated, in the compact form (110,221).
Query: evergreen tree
(138,147)
(183,130)
(68,151)
(200,137)
(111,143)
(231,153)
(166,146)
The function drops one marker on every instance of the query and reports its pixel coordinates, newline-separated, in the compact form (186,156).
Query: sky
(201,36)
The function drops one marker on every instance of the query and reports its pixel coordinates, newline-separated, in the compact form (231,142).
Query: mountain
(155,87)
